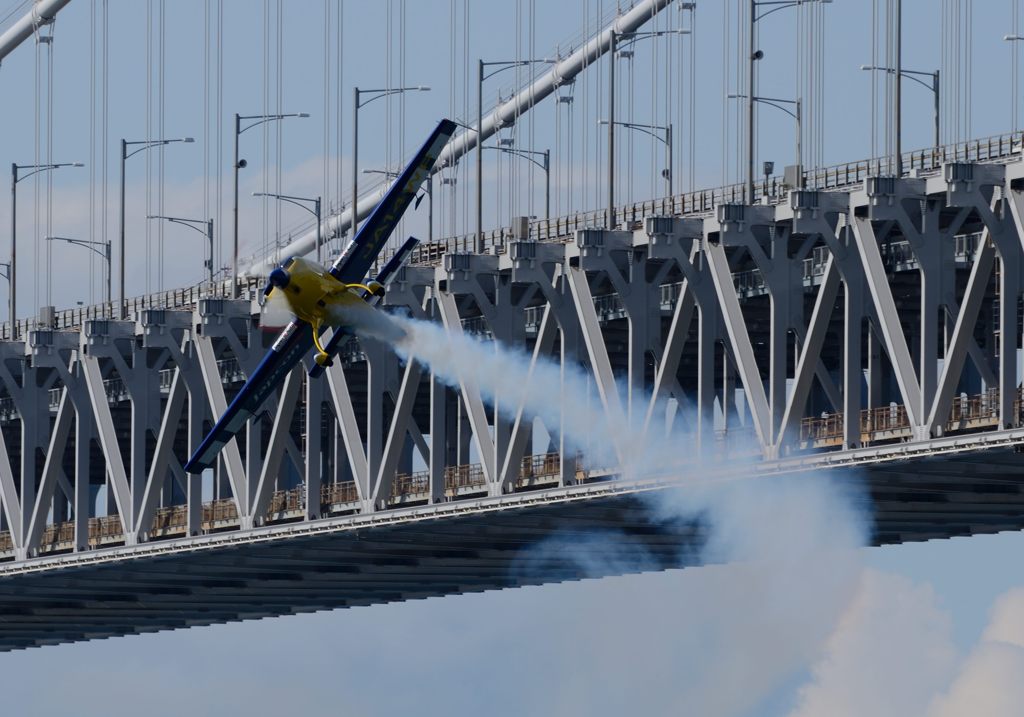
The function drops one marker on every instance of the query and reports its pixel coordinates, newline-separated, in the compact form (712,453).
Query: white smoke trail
(791,542)
(509,378)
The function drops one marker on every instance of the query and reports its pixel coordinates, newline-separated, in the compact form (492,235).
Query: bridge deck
(942,488)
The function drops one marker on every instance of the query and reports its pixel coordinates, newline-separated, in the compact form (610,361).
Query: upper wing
(297,338)
(359,255)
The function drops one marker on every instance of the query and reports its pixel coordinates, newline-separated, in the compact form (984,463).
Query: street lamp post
(299,202)
(143,145)
(751,94)
(13,269)
(618,43)
(482,74)
(915,75)
(795,113)
(254,121)
(204,227)
(651,130)
(544,163)
(358,103)
(91,246)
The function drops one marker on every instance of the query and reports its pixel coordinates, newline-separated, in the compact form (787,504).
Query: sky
(725,640)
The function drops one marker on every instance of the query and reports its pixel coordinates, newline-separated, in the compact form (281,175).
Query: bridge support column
(314,445)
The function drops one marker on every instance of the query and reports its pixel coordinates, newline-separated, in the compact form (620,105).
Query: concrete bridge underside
(486,544)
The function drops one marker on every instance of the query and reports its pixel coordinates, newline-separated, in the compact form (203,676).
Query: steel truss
(846,322)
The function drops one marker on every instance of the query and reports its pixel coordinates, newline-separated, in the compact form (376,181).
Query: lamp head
(302,114)
(242,164)
(188,140)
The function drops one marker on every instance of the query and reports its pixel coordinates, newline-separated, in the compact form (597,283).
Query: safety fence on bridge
(536,471)
(892,423)
(773,191)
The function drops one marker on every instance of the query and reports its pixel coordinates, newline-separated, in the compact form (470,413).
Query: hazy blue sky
(600,647)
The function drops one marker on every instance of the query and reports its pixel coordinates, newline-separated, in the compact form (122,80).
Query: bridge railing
(774,191)
(884,423)
(183,298)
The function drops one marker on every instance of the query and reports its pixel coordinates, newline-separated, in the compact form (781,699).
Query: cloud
(991,681)
(889,655)
(892,654)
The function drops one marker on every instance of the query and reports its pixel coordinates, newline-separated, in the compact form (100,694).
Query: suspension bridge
(860,320)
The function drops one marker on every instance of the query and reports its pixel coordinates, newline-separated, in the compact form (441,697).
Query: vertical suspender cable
(105,120)
(340,79)
(969,69)
(1014,62)
(206,111)
(149,136)
(264,128)
(724,141)
(389,82)
(279,126)
(446,222)
(531,177)
(37,257)
(326,190)
(92,147)
(220,133)
(161,156)
(693,99)
(49,160)
(466,29)
(874,78)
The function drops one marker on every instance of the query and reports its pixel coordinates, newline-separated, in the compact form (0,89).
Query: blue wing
(296,340)
(291,345)
(359,256)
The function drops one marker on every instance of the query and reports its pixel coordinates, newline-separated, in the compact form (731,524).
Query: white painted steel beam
(118,479)
(162,457)
(41,13)
(279,434)
(349,425)
(231,456)
(888,317)
(739,339)
(470,390)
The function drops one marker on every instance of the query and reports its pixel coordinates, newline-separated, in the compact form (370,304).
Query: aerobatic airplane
(317,298)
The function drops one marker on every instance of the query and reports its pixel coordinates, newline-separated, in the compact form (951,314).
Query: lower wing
(294,342)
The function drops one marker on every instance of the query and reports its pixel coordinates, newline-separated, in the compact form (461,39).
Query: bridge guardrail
(882,423)
(559,228)
(704,201)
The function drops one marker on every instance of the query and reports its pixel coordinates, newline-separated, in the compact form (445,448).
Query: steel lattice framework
(871,322)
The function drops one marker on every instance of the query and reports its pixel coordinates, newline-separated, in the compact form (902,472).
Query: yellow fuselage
(311,292)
